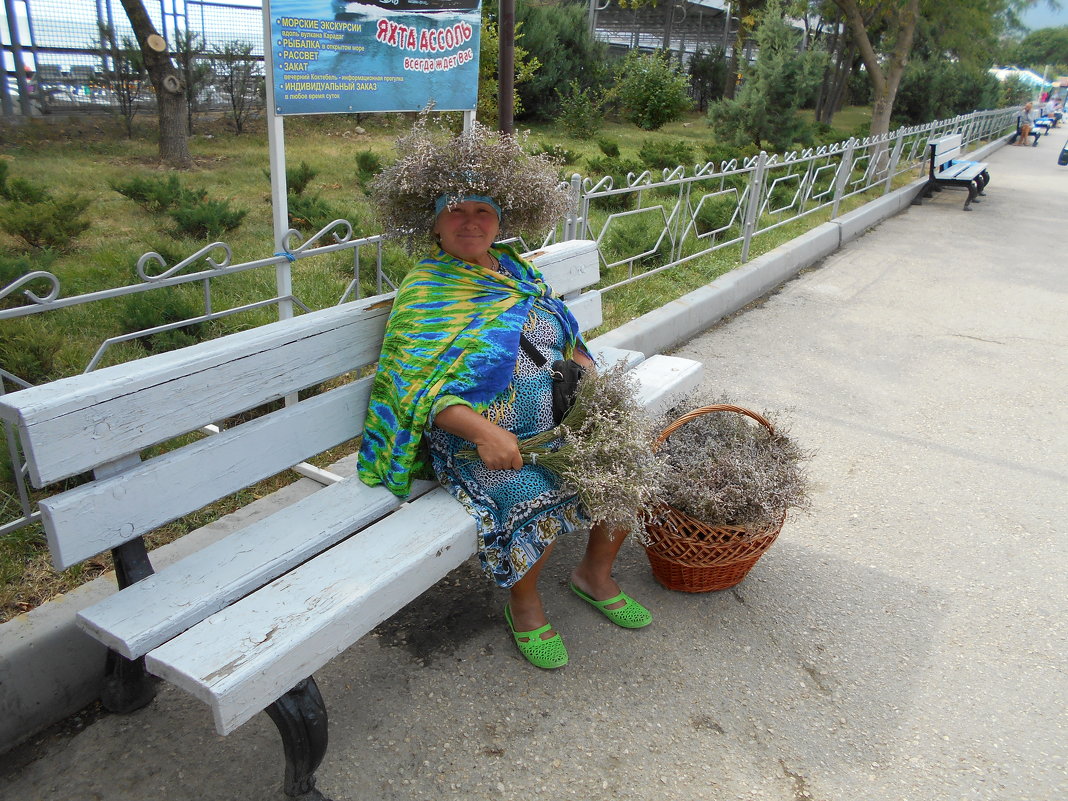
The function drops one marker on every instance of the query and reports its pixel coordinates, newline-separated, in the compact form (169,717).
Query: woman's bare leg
(593,575)
(525,600)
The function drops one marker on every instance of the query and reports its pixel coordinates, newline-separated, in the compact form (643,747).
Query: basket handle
(715,407)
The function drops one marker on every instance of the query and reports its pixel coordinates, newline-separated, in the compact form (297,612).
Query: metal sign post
(279,197)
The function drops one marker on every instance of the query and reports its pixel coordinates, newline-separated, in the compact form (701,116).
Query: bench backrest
(945,149)
(109,421)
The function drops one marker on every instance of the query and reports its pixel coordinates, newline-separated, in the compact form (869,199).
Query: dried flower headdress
(433,163)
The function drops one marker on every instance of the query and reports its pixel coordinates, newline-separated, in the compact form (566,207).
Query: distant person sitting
(1025,122)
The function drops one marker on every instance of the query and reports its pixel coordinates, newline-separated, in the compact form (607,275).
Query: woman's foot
(542,647)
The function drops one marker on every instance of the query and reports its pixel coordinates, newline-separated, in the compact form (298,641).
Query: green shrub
(160,307)
(297,178)
(618,168)
(557,153)
(311,212)
(638,234)
(13,267)
(609,147)
(158,194)
(33,350)
(206,218)
(581,110)
(53,224)
(718,212)
(368,165)
(652,89)
(665,155)
(20,190)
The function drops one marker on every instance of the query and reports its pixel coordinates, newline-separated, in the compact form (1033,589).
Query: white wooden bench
(243,623)
(946,168)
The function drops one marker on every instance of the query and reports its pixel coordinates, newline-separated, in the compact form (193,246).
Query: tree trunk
(167,81)
(884,82)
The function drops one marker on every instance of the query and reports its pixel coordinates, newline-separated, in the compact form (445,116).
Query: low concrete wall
(49,669)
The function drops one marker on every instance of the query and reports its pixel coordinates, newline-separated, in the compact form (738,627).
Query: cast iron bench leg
(300,716)
(127,686)
(971,196)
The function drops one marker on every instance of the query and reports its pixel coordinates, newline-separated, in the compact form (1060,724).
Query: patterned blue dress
(519,513)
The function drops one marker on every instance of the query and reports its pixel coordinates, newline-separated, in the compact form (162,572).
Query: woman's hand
(497,447)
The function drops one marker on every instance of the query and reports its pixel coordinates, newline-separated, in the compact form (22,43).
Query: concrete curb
(49,669)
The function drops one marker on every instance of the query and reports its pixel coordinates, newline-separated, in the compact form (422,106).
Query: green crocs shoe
(632,615)
(546,654)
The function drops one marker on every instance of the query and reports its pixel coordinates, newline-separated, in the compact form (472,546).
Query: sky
(1042,17)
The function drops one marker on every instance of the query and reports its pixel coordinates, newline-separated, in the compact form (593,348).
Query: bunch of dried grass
(434,162)
(724,469)
(602,450)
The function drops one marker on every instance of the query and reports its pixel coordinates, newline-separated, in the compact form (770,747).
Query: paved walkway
(903,642)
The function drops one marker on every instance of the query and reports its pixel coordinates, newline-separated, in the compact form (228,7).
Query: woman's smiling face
(467,229)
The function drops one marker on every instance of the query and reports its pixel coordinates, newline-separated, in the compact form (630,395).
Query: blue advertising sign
(333,56)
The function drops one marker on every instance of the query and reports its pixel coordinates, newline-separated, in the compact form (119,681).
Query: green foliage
(1041,47)
(609,147)
(717,213)
(238,72)
(665,155)
(765,108)
(526,66)
(297,178)
(937,89)
(161,307)
(640,233)
(708,72)
(558,37)
(14,266)
(157,194)
(368,165)
(41,220)
(651,89)
(206,218)
(1014,92)
(719,152)
(23,191)
(557,153)
(311,212)
(33,351)
(581,110)
(618,168)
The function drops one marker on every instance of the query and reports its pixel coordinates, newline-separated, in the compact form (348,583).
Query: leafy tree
(1045,46)
(526,66)
(238,71)
(651,89)
(581,110)
(167,83)
(558,37)
(774,88)
(933,90)
(125,74)
(708,71)
(746,13)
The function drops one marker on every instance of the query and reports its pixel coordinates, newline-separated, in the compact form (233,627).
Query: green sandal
(632,615)
(547,654)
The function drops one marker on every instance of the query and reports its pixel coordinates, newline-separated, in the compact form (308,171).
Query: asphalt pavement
(905,640)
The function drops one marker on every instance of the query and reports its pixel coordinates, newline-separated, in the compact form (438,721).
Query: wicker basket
(690,556)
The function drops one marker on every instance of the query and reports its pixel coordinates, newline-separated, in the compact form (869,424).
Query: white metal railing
(680,215)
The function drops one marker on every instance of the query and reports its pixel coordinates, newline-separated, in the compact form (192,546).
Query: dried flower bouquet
(603,450)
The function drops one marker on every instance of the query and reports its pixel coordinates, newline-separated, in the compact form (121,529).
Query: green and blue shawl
(453,331)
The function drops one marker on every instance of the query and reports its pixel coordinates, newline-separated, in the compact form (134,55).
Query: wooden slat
(95,517)
(75,424)
(242,658)
(154,610)
(587,309)
(568,266)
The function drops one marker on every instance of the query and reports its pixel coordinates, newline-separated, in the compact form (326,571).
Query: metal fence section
(649,225)
(52,51)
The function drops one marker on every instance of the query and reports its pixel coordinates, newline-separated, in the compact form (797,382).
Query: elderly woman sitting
(453,375)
